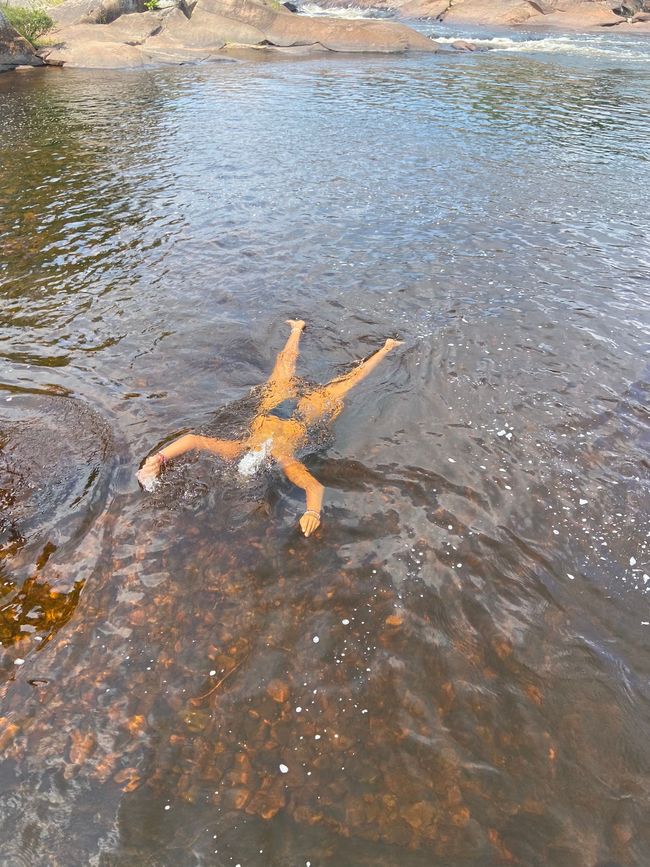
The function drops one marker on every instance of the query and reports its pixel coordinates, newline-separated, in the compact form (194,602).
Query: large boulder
(581,15)
(144,39)
(14,50)
(92,11)
(424,8)
(126,43)
(563,14)
(283,29)
(489,12)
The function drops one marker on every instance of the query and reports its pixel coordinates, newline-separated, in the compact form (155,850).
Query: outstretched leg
(281,383)
(328,400)
(227,449)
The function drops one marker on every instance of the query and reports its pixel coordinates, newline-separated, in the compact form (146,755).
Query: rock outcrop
(14,50)
(183,34)
(93,11)
(563,14)
(630,15)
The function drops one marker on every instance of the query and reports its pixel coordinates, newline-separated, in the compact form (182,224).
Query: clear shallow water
(479,691)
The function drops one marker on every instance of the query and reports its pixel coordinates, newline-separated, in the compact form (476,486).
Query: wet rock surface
(54,464)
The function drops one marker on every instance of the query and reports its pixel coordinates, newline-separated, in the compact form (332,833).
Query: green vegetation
(31,22)
(151,5)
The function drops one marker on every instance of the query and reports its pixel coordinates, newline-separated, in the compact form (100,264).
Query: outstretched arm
(300,476)
(227,449)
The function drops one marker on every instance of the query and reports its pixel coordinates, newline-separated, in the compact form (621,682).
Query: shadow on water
(453,670)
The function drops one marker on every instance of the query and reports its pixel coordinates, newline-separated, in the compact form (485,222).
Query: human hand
(310,522)
(149,472)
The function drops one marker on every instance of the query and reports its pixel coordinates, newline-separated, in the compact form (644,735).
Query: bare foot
(298,324)
(391,343)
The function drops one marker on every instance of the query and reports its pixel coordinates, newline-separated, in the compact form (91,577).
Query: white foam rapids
(580,45)
(350,12)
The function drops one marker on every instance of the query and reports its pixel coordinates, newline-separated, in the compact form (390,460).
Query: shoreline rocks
(119,34)
(14,49)
(211,30)
(568,15)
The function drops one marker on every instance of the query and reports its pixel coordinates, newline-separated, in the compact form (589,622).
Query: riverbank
(110,34)
(565,15)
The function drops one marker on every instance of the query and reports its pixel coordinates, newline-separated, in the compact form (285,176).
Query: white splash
(255,459)
(351,12)
(577,44)
(148,478)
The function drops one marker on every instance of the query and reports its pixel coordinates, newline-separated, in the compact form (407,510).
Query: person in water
(281,426)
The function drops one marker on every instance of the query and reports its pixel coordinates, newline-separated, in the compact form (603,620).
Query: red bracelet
(162,460)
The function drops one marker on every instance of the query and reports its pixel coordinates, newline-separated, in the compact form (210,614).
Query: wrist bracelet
(312,512)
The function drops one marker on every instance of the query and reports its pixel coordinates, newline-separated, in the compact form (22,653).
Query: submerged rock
(14,50)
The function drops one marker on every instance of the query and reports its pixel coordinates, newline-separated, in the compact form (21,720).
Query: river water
(454,669)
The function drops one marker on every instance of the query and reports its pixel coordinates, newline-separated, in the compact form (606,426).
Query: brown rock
(580,16)
(236,799)
(281,28)
(96,54)
(81,746)
(204,31)
(463,45)
(278,690)
(131,41)
(488,12)
(7,732)
(92,11)
(148,38)
(419,815)
(128,778)
(636,26)
(424,8)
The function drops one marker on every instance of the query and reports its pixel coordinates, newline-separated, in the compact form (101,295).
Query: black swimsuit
(286,409)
